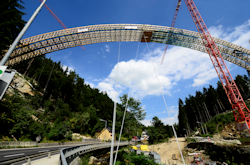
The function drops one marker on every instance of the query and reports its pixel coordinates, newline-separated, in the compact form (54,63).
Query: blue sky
(184,71)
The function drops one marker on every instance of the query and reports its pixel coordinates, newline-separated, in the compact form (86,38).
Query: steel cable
(114,113)
(126,105)
(165,102)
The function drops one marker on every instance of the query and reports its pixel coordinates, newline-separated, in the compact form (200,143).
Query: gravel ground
(167,149)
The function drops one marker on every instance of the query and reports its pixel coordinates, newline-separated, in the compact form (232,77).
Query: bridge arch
(68,38)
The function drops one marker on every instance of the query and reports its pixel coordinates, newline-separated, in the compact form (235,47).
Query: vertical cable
(114,113)
(47,83)
(165,103)
(117,148)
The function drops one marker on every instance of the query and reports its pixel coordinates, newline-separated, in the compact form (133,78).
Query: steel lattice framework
(67,38)
(240,110)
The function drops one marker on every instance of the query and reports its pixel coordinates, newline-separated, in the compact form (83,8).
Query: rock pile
(21,84)
(77,136)
(230,131)
(99,160)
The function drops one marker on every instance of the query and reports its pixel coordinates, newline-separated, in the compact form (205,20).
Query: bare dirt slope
(167,149)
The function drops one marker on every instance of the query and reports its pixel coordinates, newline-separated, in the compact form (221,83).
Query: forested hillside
(68,105)
(206,104)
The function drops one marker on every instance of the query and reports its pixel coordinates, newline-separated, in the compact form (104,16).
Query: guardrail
(67,155)
(28,158)
(60,144)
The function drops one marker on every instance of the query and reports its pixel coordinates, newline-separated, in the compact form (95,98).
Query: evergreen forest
(63,104)
(206,104)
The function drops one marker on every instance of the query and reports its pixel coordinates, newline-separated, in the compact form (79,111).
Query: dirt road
(167,149)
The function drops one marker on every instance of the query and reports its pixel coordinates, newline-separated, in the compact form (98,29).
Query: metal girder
(68,38)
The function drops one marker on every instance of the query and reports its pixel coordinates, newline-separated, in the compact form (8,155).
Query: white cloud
(173,112)
(107,48)
(146,122)
(180,64)
(169,120)
(239,35)
(64,67)
(176,90)
(109,88)
(98,80)
(90,84)
(158,113)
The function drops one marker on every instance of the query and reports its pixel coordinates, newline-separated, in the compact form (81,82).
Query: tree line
(63,104)
(207,104)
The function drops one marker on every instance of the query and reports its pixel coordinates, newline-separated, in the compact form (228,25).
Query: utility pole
(20,35)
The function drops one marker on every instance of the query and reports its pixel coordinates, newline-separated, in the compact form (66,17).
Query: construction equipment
(240,110)
(58,20)
(141,147)
(197,159)
(171,31)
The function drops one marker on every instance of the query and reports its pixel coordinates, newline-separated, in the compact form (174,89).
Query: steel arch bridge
(67,38)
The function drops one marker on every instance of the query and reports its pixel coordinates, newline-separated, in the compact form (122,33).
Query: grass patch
(190,140)
(125,158)
(216,124)
(85,159)
(206,135)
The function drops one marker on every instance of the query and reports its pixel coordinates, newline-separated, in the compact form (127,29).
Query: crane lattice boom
(240,110)
(172,25)
(58,20)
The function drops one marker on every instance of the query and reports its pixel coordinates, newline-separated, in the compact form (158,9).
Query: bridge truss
(58,40)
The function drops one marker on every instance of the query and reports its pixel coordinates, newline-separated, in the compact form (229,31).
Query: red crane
(240,110)
(172,25)
(58,20)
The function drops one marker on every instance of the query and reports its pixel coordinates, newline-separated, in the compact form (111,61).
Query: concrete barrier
(91,140)
(60,144)
(33,143)
(18,143)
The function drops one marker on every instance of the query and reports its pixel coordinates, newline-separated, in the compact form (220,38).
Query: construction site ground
(167,149)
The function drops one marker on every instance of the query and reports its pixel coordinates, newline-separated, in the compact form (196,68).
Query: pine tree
(11,22)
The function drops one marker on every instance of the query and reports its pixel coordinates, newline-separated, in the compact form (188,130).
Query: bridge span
(67,38)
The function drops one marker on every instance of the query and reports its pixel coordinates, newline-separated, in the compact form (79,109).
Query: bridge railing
(68,155)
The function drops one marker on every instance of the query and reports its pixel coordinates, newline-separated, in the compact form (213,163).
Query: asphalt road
(8,154)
